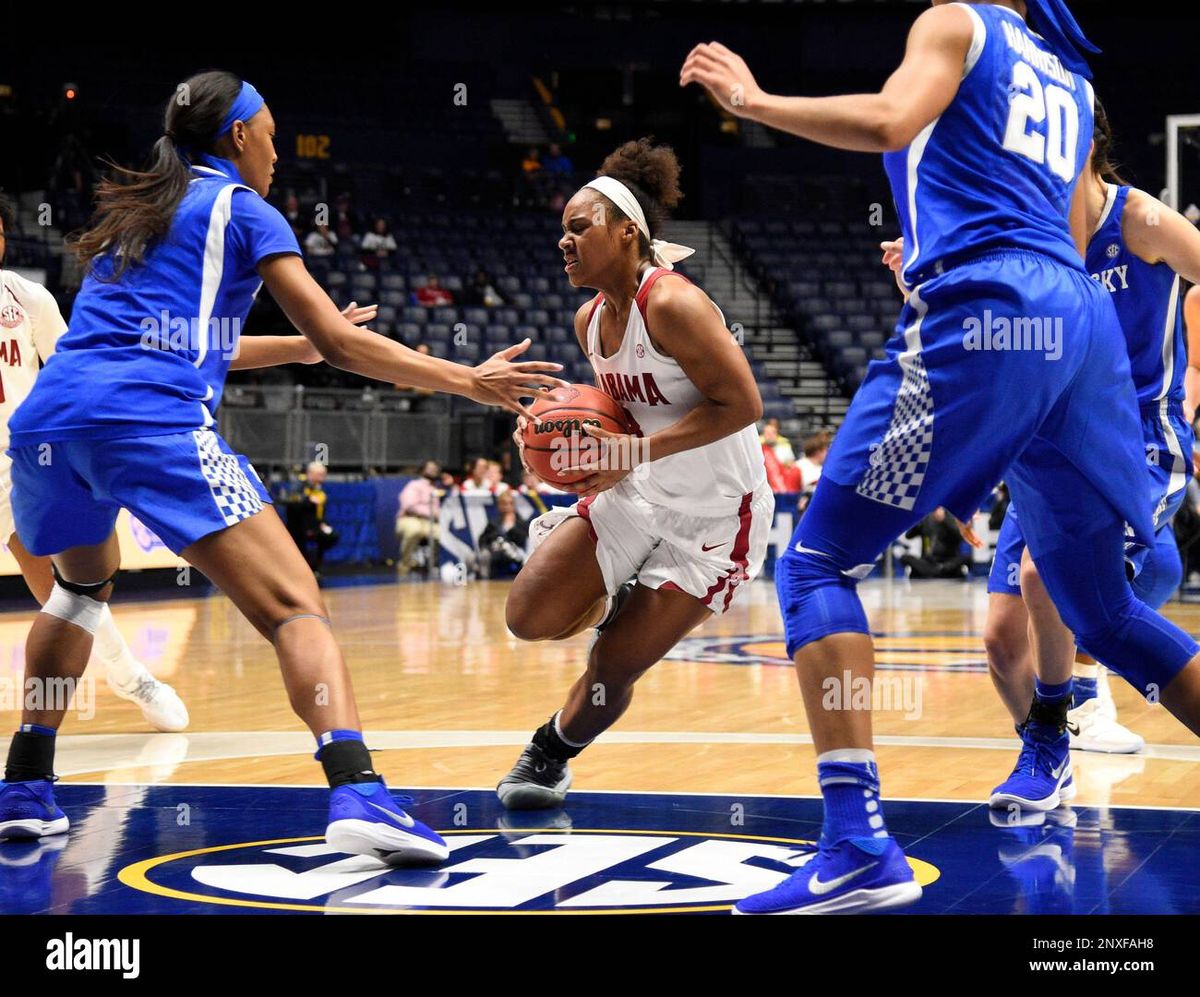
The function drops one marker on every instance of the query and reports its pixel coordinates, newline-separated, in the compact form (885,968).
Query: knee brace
(816,597)
(76,602)
(1161,573)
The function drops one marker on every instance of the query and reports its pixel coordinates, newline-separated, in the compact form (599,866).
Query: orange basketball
(555,440)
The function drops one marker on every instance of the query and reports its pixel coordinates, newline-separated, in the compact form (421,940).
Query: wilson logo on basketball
(565,427)
(11,316)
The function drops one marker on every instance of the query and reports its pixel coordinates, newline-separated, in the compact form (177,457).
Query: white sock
(109,648)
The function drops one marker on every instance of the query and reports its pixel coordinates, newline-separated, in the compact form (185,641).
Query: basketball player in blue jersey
(122,416)
(1139,250)
(1007,361)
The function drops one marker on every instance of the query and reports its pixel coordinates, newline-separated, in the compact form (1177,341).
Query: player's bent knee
(817,597)
(1005,642)
(75,607)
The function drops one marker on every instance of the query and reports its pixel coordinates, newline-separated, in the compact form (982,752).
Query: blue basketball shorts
(996,370)
(1168,439)
(183,486)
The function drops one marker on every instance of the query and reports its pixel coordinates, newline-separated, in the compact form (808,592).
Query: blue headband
(245,106)
(1053,21)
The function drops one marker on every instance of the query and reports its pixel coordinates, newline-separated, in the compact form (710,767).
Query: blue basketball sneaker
(851,876)
(365,819)
(1042,777)
(28,810)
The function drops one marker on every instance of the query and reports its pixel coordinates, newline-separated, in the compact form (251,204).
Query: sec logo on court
(501,870)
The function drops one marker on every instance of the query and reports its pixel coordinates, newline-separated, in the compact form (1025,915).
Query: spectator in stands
(482,293)
(557,163)
(816,448)
(320,242)
(319,536)
(420,507)
(378,244)
(773,436)
(433,295)
(476,483)
(345,218)
(502,542)
(941,548)
(494,478)
(782,473)
(291,211)
(532,163)
(999,508)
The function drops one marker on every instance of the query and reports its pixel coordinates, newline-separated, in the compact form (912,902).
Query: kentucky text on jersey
(1146,296)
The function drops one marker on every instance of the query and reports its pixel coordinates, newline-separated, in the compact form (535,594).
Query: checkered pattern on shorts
(231,490)
(899,462)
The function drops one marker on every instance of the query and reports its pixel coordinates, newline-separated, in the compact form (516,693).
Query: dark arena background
(425,152)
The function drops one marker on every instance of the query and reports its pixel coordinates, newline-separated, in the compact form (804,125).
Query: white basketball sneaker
(159,703)
(1093,726)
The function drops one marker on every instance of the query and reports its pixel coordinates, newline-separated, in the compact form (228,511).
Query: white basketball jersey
(30,324)
(656,393)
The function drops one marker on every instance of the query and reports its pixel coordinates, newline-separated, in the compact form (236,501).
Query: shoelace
(1033,753)
(146,686)
(534,765)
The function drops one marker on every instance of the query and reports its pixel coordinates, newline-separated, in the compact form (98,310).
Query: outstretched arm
(496,381)
(256,352)
(915,94)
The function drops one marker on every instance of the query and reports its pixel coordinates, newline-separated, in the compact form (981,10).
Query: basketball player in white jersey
(649,552)
(30,324)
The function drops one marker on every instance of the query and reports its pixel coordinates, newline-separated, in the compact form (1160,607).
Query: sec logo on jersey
(11,316)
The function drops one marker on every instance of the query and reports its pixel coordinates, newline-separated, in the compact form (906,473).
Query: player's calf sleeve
(1086,580)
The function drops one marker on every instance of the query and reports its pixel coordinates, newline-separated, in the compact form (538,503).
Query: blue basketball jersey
(147,354)
(998,167)
(1147,299)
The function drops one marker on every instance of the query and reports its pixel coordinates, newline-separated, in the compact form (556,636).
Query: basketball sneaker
(1093,729)
(365,819)
(536,782)
(28,810)
(159,703)
(854,875)
(1042,777)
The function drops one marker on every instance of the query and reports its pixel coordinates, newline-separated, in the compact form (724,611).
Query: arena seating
(828,279)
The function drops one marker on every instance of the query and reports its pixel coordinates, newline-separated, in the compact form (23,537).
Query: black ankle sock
(30,757)
(345,762)
(1047,718)
(548,739)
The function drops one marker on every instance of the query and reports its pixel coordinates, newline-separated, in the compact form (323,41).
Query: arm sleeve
(48,324)
(257,230)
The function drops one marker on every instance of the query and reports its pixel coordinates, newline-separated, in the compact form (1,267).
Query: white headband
(665,254)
